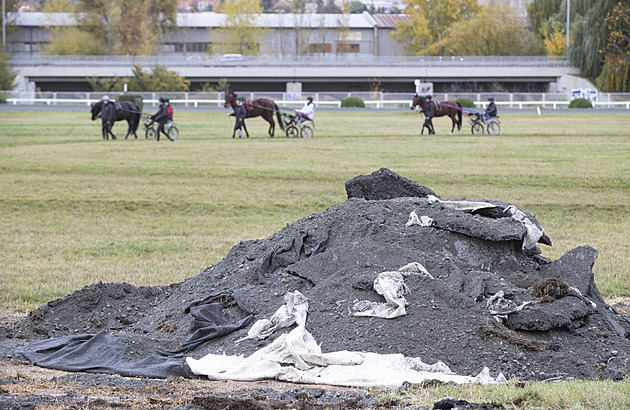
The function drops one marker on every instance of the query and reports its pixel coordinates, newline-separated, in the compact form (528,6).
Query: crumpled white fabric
(296,357)
(424,220)
(293,311)
(500,307)
(469,206)
(391,285)
(533,232)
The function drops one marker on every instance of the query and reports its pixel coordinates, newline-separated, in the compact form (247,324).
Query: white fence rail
(376,100)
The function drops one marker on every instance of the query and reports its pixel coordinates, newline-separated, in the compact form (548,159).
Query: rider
(161,116)
(308,111)
(429,112)
(108,115)
(491,109)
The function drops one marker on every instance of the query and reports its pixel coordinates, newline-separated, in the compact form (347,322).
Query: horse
(263,107)
(125,110)
(451,108)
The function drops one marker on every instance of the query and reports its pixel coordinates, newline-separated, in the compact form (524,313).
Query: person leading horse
(450,108)
(263,107)
(124,110)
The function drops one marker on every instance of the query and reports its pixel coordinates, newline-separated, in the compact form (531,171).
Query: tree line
(434,28)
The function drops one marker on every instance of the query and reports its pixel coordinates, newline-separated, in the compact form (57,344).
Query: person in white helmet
(108,115)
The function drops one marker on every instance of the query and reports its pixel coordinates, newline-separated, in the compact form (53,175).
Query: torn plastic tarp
(296,357)
(531,233)
(99,353)
(424,221)
(391,285)
(293,311)
(208,322)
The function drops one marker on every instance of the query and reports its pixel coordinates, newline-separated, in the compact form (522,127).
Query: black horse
(450,108)
(261,106)
(124,110)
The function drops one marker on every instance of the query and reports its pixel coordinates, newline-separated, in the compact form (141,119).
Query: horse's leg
(128,128)
(272,125)
(245,128)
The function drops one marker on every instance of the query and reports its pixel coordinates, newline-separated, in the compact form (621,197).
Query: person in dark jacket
(491,109)
(240,112)
(108,115)
(429,113)
(161,117)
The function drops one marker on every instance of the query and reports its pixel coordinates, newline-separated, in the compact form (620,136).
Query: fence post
(186,98)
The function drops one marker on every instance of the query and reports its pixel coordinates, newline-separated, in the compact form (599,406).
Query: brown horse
(263,107)
(450,108)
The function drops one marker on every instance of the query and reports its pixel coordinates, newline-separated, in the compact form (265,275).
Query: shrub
(352,102)
(466,102)
(134,98)
(3,100)
(580,103)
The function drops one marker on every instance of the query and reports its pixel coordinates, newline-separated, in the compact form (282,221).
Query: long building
(362,34)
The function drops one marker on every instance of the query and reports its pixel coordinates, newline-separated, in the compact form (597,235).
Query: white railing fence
(377,100)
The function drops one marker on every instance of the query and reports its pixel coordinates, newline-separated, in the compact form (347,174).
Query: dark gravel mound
(477,310)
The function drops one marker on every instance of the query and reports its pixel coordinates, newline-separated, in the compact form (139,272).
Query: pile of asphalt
(487,302)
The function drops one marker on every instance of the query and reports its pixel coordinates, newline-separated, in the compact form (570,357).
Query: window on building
(347,48)
(190,47)
(319,48)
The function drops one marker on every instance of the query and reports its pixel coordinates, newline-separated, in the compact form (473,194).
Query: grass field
(75,209)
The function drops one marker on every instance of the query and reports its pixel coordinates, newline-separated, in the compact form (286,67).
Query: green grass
(76,209)
(517,394)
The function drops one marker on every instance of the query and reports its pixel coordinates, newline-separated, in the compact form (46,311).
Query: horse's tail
(136,117)
(459,114)
(278,116)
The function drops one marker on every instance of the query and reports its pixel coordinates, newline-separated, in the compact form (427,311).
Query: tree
(160,80)
(491,32)
(555,40)
(429,21)
(615,75)
(356,7)
(7,73)
(239,33)
(221,85)
(112,26)
(588,40)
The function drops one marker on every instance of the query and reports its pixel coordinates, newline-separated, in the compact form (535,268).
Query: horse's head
(418,101)
(229,98)
(95,110)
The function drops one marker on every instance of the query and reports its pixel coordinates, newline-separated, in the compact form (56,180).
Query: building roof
(389,20)
(211,19)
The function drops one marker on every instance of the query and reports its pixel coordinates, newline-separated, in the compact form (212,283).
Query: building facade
(363,35)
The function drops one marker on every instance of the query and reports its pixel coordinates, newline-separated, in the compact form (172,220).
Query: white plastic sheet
(295,357)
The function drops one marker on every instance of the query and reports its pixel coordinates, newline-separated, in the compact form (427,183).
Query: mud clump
(490,300)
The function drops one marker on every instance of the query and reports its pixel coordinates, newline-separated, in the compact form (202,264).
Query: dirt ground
(23,385)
